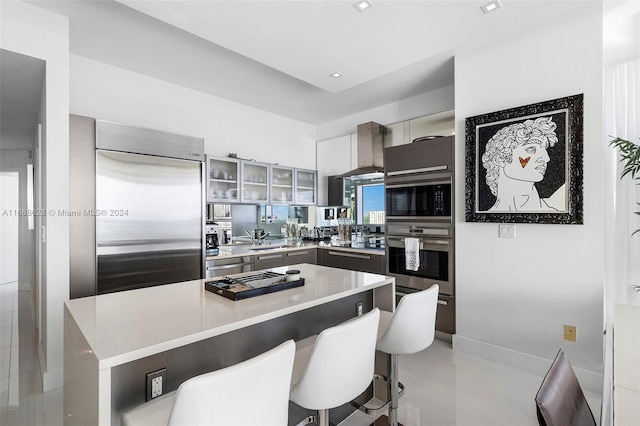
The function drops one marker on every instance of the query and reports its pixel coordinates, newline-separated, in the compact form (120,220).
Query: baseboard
(443,336)
(589,380)
(51,380)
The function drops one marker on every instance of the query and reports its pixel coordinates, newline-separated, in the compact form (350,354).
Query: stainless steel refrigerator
(149,208)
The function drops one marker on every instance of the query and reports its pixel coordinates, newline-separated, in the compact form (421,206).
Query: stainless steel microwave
(418,194)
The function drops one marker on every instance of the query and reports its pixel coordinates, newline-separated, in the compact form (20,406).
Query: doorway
(9,208)
(23,107)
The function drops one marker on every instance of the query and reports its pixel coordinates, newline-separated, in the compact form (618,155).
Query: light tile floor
(442,387)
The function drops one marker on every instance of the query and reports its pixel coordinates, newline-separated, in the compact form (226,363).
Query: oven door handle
(416,184)
(422,240)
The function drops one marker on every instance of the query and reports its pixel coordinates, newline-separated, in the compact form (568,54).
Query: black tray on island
(251,284)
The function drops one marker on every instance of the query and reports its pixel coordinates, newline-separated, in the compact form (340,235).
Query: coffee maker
(211,238)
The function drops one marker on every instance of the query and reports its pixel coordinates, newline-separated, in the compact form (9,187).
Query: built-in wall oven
(419,222)
(435,254)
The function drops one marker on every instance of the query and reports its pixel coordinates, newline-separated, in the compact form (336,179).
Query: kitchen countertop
(283,245)
(125,326)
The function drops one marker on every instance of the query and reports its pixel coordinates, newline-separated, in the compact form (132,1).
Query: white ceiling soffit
(310,40)
(278,55)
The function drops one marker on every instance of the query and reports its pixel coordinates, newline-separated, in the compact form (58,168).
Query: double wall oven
(419,216)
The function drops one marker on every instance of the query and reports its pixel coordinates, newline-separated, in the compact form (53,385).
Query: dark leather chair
(560,401)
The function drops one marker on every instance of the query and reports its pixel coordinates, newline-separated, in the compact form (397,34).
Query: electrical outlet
(359,308)
(156,383)
(156,387)
(570,332)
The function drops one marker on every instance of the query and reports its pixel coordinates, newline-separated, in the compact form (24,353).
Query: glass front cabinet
(223,180)
(306,187)
(231,180)
(255,182)
(281,185)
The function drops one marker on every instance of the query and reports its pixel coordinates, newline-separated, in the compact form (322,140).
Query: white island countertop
(126,326)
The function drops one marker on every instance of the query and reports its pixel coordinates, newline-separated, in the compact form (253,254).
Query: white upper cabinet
(334,158)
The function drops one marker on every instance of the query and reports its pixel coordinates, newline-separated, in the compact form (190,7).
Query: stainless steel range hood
(370,151)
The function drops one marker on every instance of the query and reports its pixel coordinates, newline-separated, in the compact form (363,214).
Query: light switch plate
(507,231)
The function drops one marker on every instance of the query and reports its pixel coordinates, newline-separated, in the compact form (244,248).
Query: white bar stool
(253,392)
(335,367)
(410,329)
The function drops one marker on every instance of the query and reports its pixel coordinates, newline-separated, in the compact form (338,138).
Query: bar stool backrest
(341,364)
(412,327)
(253,392)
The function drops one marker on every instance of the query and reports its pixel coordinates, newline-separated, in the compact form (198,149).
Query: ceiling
(278,55)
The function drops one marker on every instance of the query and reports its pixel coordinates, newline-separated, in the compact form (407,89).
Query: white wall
(110,93)
(513,296)
(35,32)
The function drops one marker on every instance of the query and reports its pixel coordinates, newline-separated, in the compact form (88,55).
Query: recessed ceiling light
(336,75)
(490,7)
(363,5)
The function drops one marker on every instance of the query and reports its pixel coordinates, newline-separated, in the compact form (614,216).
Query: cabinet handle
(357,256)
(233,265)
(299,253)
(442,302)
(423,170)
(274,256)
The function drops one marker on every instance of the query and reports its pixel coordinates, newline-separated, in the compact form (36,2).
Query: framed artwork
(524,164)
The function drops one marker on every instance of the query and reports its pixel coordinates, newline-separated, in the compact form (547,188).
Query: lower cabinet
(301,256)
(372,263)
(446,314)
(268,260)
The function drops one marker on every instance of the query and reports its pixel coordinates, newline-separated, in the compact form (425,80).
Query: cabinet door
(255,182)
(300,256)
(281,185)
(372,263)
(223,180)
(305,187)
(333,158)
(268,260)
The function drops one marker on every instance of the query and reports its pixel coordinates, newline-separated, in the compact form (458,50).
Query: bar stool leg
(323,418)
(393,390)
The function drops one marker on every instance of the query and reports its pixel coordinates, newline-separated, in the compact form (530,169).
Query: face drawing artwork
(515,159)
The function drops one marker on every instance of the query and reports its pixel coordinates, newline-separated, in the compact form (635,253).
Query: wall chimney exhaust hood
(370,152)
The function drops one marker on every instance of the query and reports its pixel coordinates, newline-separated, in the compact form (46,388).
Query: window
(370,204)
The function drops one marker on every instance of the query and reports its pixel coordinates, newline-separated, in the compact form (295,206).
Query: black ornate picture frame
(524,164)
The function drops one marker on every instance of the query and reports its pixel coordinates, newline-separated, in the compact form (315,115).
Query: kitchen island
(112,341)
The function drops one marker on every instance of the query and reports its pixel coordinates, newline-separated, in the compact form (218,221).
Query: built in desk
(112,341)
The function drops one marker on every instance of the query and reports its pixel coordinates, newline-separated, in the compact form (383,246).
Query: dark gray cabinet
(438,152)
(446,315)
(354,261)
(300,256)
(268,260)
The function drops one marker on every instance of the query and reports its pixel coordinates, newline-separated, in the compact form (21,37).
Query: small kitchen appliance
(212,240)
